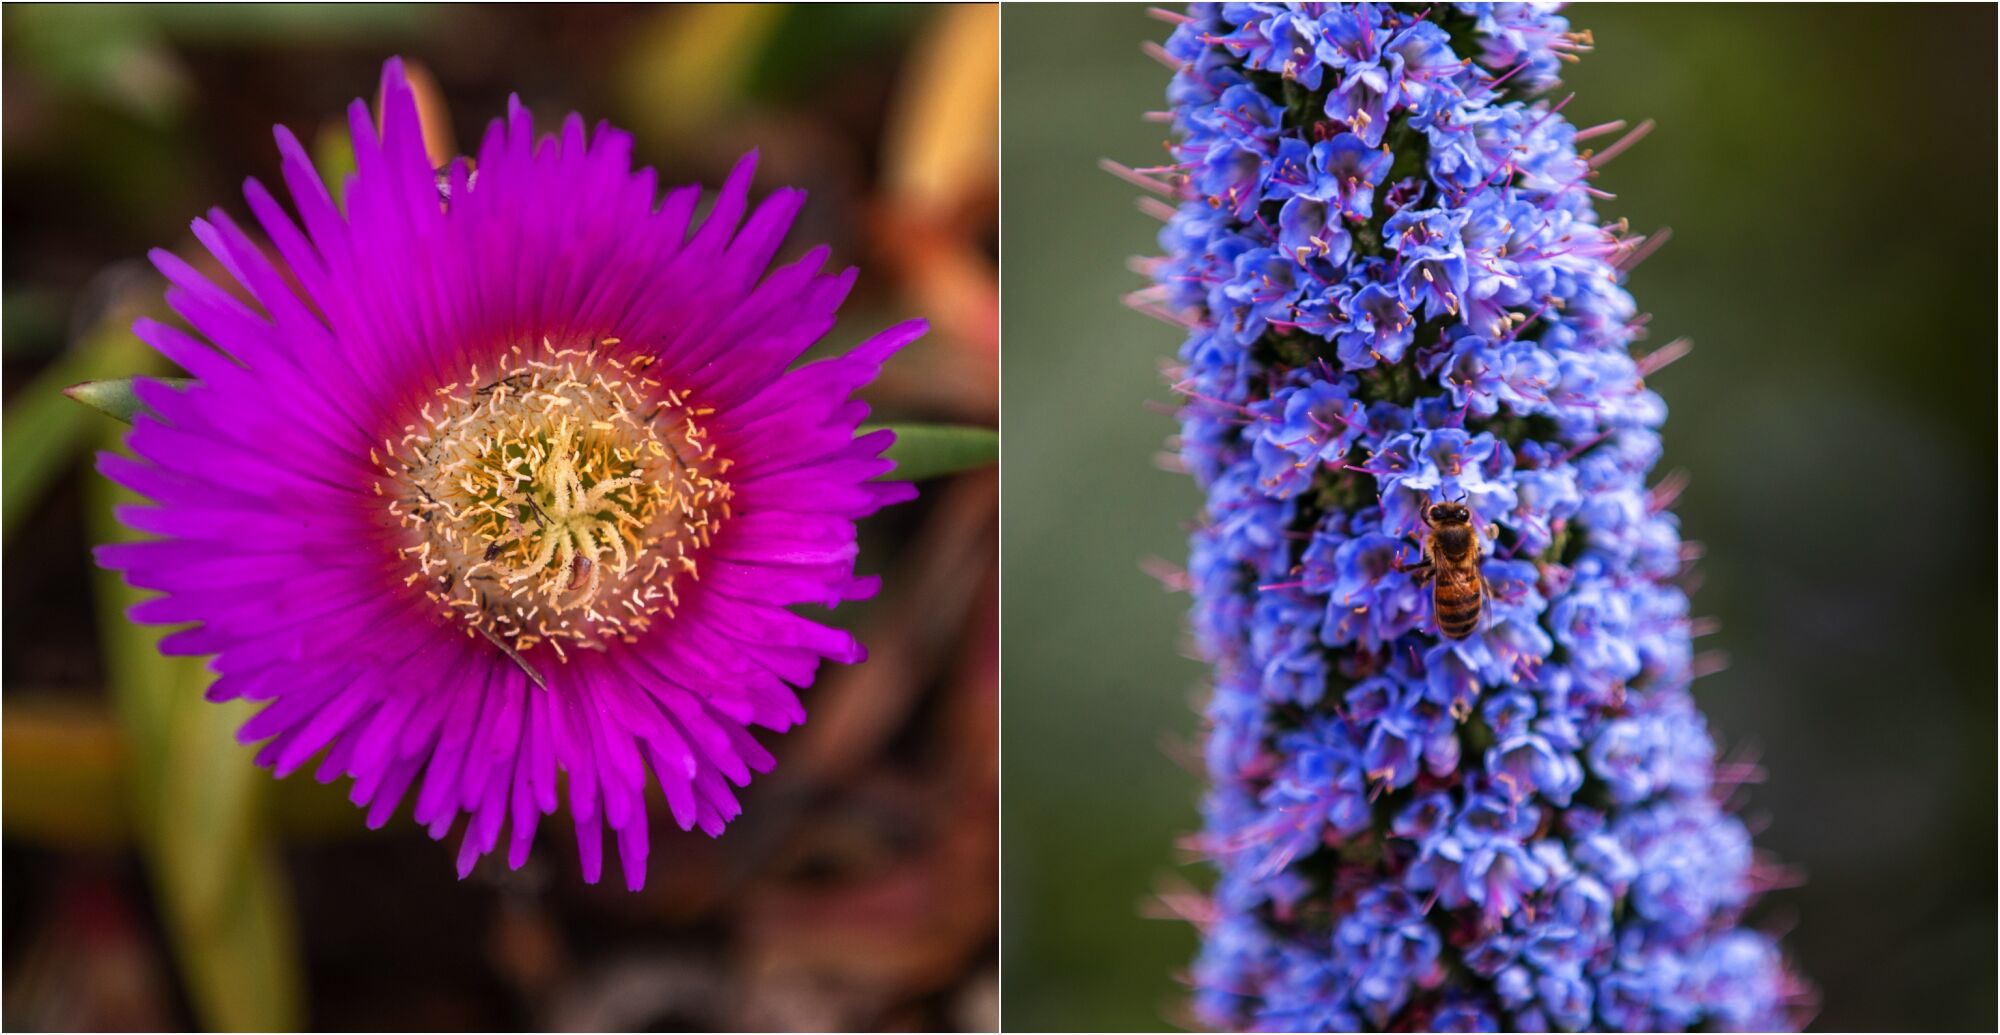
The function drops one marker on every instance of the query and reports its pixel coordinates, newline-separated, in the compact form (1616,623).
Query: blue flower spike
(1398,292)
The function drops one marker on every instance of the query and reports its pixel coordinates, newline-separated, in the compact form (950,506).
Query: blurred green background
(156,880)
(1828,173)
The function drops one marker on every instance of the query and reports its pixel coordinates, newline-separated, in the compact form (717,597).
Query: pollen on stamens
(554,499)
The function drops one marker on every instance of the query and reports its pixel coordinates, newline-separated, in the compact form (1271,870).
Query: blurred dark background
(155,880)
(1828,173)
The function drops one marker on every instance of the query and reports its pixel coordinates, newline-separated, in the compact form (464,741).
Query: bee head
(1447,514)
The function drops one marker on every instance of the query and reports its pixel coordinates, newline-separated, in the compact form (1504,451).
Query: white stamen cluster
(560,498)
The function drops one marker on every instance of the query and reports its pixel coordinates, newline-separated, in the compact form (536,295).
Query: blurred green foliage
(1833,261)
(200,809)
(120,54)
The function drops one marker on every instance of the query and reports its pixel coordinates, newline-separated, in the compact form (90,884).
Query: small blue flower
(1443,464)
(1593,622)
(1346,172)
(1318,422)
(1262,290)
(1352,36)
(1230,175)
(1366,602)
(1433,275)
(1426,70)
(1566,998)
(1498,875)
(1527,36)
(1378,327)
(1526,764)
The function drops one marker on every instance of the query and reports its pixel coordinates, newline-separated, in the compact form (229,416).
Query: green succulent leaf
(44,433)
(115,397)
(934,450)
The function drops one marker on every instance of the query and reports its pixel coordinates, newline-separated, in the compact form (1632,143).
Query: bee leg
(1422,571)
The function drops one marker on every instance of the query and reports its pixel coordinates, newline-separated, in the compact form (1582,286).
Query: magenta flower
(507,474)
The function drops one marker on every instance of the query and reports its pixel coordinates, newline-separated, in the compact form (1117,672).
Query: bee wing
(1487,596)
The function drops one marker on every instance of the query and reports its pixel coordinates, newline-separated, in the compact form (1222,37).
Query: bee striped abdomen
(1457,601)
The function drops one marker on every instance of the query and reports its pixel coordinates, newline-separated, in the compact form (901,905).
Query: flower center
(559,498)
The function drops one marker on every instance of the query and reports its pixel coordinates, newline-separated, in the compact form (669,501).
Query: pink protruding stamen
(1138,304)
(1667,491)
(1623,143)
(1586,444)
(1600,129)
(1237,408)
(1171,576)
(1135,177)
(1159,53)
(1647,246)
(1510,74)
(1653,361)
(1708,663)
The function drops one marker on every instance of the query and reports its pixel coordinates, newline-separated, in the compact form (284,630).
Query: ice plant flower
(1397,292)
(496,484)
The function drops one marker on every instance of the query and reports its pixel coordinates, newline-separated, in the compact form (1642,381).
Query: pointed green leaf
(933,450)
(44,431)
(116,397)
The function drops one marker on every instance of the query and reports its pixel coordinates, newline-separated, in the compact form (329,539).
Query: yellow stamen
(540,501)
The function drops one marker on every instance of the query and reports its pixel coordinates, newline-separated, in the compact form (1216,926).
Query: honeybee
(1451,565)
